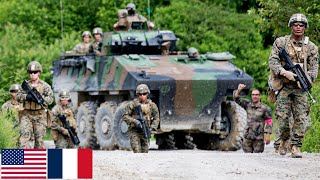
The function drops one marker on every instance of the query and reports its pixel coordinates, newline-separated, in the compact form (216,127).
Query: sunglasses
(13,91)
(255,94)
(298,24)
(144,94)
(33,72)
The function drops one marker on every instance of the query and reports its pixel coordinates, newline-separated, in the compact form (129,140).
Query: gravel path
(199,164)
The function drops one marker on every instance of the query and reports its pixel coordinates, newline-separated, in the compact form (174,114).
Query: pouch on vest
(54,134)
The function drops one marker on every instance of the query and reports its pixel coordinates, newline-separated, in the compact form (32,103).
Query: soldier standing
(34,118)
(59,134)
(84,46)
(150,112)
(259,121)
(133,16)
(13,103)
(96,46)
(291,98)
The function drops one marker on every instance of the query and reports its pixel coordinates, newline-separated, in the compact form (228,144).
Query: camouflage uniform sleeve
(155,120)
(21,96)
(128,112)
(274,60)
(47,94)
(242,102)
(268,119)
(312,60)
(5,106)
(56,112)
(77,48)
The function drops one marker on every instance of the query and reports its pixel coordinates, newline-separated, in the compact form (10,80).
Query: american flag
(24,164)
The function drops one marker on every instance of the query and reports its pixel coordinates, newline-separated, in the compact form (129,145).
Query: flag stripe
(55,163)
(70,164)
(24,177)
(23,168)
(24,172)
(85,163)
(37,150)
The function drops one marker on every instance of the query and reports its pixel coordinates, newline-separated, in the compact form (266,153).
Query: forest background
(31,30)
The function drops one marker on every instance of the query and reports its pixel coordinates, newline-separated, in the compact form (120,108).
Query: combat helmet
(298,17)
(34,66)
(64,94)
(132,6)
(97,30)
(193,52)
(14,87)
(86,33)
(142,88)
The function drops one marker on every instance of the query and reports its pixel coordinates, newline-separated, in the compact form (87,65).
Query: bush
(9,131)
(312,139)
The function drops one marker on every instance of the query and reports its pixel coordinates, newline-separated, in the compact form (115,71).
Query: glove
(288,74)
(137,124)
(65,132)
(29,97)
(299,85)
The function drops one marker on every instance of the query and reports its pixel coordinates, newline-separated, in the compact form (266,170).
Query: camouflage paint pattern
(187,92)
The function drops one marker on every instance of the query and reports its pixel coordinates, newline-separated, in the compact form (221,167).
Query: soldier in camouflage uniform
(84,46)
(132,16)
(59,134)
(96,46)
(13,103)
(34,118)
(150,112)
(259,122)
(291,99)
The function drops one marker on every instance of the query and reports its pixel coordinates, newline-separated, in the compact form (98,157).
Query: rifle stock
(73,135)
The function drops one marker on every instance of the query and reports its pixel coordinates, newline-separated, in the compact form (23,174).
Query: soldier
(34,118)
(13,103)
(84,46)
(150,112)
(291,99)
(59,134)
(259,122)
(96,45)
(131,16)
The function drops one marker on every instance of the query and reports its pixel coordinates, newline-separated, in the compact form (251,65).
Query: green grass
(8,132)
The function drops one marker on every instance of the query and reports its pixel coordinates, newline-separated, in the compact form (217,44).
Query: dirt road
(199,164)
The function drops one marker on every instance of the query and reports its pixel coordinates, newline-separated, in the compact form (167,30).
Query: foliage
(18,48)
(9,131)
(275,14)
(312,141)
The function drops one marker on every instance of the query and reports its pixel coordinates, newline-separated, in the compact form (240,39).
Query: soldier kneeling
(59,133)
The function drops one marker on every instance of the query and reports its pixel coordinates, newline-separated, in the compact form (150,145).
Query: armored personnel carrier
(192,93)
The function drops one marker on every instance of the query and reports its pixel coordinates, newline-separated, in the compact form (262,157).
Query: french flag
(46,164)
(69,164)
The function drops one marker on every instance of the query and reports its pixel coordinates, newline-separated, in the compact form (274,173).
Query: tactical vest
(31,105)
(146,111)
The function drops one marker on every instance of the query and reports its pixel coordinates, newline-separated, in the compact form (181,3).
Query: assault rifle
(145,129)
(72,132)
(34,93)
(296,69)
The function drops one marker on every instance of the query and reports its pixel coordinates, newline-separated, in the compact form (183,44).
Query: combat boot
(295,152)
(283,148)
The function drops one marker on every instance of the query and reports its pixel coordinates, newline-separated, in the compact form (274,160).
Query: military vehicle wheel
(184,141)
(86,127)
(235,118)
(104,125)
(121,128)
(165,141)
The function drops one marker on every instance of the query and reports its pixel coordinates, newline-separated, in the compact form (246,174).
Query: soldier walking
(291,99)
(59,133)
(34,118)
(259,121)
(139,143)
(13,104)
